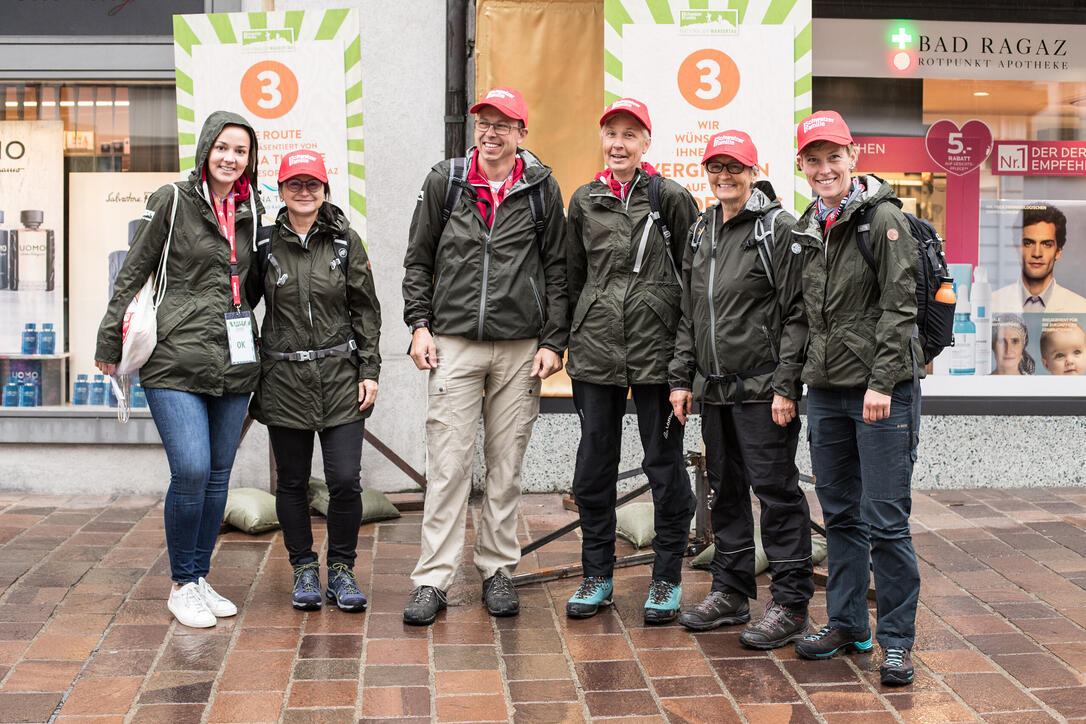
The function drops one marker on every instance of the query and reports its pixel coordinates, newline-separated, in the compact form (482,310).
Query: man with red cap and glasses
(485,298)
(862,413)
(625,291)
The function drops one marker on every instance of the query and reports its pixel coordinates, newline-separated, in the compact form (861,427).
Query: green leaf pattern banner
(704,66)
(280,71)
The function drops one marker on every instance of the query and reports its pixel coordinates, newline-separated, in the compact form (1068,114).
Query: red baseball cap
(736,144)
(634,107)
(823,126)
(302,163)
(507,101)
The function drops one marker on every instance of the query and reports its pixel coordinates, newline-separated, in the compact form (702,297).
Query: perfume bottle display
(31,254)
(3,255)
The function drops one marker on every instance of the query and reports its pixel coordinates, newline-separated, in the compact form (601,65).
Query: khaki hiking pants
(465,370)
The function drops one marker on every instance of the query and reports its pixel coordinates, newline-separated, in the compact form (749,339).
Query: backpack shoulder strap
(863,237)
(537,204)
(764,241)
(654,206)
(340,248)
(458,174)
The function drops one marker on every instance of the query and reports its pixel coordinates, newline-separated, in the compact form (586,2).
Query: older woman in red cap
(625,238)
(859,372)
(322,325)
(739,350)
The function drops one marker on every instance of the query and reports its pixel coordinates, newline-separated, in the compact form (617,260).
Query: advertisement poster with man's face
(105,209)
(31,237)
(1035,250)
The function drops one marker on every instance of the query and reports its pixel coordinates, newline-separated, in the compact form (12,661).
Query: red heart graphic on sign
(959,150)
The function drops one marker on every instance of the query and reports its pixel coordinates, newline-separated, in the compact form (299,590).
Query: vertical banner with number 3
(296,76)
(704,66)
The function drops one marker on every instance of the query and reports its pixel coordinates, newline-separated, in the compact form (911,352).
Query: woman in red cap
(322,325)
(625,234)
(859,372)
(739,350)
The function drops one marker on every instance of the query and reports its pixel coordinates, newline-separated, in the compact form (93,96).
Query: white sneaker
(188,607)
(220,606)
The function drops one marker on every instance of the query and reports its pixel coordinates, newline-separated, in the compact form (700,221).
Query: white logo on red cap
(817,123)
(499,93)
(727,141)
(625,104)
(300,158)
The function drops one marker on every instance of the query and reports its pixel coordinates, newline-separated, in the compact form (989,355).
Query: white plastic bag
(139,330)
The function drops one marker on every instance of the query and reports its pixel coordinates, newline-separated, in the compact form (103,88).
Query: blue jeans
(200,434)
(863,475)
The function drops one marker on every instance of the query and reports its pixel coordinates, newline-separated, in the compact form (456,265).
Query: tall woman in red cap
(322,324)
(739,349)
(624,289)
(861,359)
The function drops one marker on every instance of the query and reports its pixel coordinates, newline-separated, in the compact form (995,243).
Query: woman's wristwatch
(421,324)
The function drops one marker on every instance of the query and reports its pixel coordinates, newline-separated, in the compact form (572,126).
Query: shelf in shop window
(14,355)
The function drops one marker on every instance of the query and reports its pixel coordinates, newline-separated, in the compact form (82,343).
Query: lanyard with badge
(239,325)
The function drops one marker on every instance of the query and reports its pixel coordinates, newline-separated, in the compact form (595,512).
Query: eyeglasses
(502,129)
(295,186)
(716,167)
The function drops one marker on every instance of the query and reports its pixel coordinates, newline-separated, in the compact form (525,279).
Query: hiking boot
(343,589)
(718,608)
(307,587)
(500,596)
(777,627)
(662,605)
(828,641)
(220,606)
(422,609)
(897,668)
(594,591)
(188,607)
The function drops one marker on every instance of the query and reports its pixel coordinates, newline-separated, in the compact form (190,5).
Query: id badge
(239,337)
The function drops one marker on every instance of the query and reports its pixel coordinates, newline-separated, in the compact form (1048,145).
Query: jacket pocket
(863,348)
(538,301)
(583,305)
(173,316)
(665,304)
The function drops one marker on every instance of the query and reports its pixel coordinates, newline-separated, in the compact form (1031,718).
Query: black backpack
(458,181)
(934,319)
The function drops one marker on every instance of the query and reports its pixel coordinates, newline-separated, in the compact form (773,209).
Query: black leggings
(341,448)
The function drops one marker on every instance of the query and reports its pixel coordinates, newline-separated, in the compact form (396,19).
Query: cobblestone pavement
(85,634)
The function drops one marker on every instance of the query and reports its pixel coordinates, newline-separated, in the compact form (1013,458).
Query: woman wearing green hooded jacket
(319,369)
(197,385)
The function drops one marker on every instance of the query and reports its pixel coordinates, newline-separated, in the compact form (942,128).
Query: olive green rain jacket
(488,283)
(735,321)
(861,324)
(623,323)
(191,354)
(311,304)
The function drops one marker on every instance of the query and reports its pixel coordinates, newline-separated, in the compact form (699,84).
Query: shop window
(999,167)
(71,154)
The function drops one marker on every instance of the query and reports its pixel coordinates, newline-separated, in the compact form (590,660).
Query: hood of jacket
(212,128)
(875,190)
(534,169)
